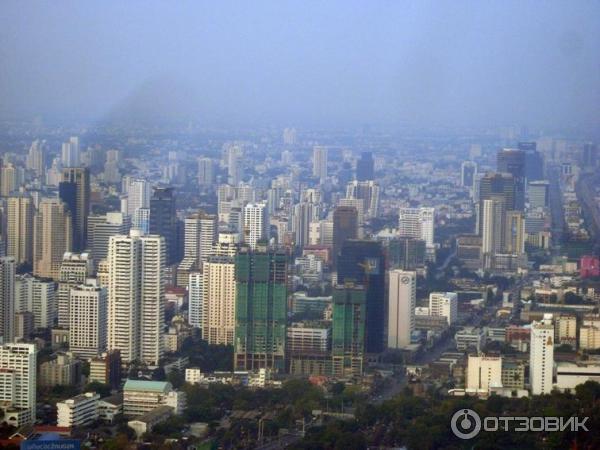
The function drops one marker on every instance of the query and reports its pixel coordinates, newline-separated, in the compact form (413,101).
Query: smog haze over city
(299,225)
(318,64)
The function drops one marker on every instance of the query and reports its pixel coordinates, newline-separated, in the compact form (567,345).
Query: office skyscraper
(53,237)
(495,185)
(534,163)
(468,170)
(74,190)
(87,319)
(19,228)
(260,309)
(401,307)
(541,356)
(320,163)
(512,161)
(365,167)
(345,226)
(304,214)
(349,316)
(538,194)
(10,179)
(163,220)
(136,296)
(362,262)
(256,224)
(7,298)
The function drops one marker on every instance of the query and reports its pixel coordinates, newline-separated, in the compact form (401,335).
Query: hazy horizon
(304,63)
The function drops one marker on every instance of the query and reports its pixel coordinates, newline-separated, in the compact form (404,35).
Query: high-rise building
(260,309)
(19,228)
(349,316)
(483,373)
(256,224)
(75,268)
(141,220)
(401,307)
(363,262)
(101,228)
(417,223)
(304,214)
(138,195)
(206,175)
(368,192)
(320,163)
(541,356)
(36,158)
(468,170)
(406,253)
(136,296)
(514,239)
(18,375)
(493,228)
(37,296)
(218,303)
(163,220)
(10,179)
(53,237)
(512,161)
(196,299)
(79,180)
(7,298)
(87,319)
(112,173)
(538,194)
(200,234)
(345,226)
(70,153)
(234,154)
(365,167)
(444,304)
(534,163)
(494,185)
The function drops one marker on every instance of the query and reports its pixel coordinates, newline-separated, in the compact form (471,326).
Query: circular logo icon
(405,280)
(465,424)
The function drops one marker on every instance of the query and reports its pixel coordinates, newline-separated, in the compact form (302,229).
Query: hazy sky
(304,63)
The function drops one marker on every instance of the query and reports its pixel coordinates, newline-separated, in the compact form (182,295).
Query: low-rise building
(147,421)
(78,411)
(469,337)
(110,407)
(570,375)
(64,370)
(141,396)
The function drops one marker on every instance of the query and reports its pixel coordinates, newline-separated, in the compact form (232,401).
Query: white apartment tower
(417,223)
(74,270)
(70,154)
(256,223)
(218,304)
(138,195)
(444,304)
(87,319)
(401,307)
(541,356)
(37,296)
(136,296)
(18,376)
